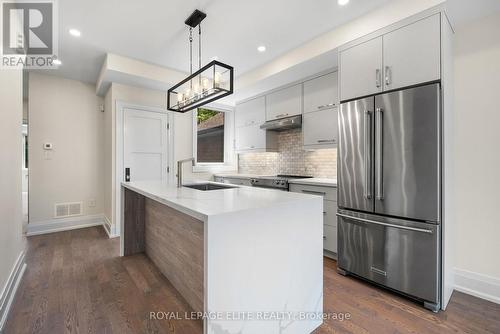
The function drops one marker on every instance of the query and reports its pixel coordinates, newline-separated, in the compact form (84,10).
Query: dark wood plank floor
(76,283)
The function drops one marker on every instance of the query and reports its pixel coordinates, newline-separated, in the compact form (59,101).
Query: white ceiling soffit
(136,73)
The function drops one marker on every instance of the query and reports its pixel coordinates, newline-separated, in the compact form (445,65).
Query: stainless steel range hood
(283,123)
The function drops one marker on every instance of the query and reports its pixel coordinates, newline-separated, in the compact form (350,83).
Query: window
(210,133)
(213,139)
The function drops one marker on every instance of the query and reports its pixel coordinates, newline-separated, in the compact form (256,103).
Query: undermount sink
(208,186)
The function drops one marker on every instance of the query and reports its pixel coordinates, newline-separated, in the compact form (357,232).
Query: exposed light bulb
(261,48)
(217,79)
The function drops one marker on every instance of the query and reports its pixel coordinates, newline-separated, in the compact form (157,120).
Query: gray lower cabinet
(329,213)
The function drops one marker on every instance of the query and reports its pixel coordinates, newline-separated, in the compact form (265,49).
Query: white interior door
(145,145)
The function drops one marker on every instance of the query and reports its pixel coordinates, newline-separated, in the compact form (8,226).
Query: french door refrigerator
(389,191)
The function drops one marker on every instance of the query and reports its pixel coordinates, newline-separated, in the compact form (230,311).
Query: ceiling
(154,31)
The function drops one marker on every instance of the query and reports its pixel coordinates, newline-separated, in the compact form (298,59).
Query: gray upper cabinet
(249,136)
(321,93)
(320,128)
(361,69)
(284,103)
(412,54)
(251,112)
(406,56)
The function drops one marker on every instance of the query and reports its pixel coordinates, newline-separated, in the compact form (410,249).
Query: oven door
(399,254)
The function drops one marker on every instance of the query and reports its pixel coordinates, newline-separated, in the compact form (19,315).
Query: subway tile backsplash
(291,159)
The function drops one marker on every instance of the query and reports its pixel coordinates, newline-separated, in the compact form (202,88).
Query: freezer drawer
(399,254)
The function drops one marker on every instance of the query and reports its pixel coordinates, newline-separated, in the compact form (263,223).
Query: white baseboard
(108,227)
(478,285)
(10,288)
(64,224)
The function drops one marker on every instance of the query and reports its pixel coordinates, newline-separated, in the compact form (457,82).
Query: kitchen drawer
(237,181)
(328,193)
(330,238)
(330,213)
(381,249)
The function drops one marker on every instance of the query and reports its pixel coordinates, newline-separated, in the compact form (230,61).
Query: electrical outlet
(91,203)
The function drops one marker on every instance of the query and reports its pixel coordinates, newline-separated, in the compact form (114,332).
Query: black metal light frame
(210,94)
(217,92)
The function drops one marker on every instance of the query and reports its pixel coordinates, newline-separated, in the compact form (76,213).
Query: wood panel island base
(251,260)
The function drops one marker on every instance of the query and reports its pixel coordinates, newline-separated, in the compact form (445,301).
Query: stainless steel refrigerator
(389,191)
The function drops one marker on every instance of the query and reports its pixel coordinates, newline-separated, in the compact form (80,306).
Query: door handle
(379,154)
(388,75)
(127,174)
(408,228)
(377,77)
(367,159)
(326,141)
(321,193)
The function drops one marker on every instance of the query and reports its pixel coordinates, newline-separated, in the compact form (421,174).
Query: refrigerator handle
(367,155)
(379,150)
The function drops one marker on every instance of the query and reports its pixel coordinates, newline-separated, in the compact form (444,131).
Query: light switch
(47,146)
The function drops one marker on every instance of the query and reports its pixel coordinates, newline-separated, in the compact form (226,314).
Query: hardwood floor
(76,283)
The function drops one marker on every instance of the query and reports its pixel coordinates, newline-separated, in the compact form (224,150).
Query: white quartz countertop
(316,181)
(203,204)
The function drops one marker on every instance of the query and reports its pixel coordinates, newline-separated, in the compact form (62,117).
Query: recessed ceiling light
(261,48)
(343,2)
(75,32)
(57,62)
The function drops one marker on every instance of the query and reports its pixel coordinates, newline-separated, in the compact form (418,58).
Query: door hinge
(168,169)
(168,126)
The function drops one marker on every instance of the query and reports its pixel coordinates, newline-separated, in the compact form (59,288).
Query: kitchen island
(250,260)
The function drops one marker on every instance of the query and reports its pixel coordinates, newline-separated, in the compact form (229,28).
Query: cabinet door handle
(312,192)
(324,106)
(377,77)
(326,141)
(388,75)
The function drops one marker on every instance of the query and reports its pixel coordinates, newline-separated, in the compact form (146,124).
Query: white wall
(183,135)
(477,140)
(65,113)
(11,107)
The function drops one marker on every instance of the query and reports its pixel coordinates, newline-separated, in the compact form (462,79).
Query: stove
(279,181)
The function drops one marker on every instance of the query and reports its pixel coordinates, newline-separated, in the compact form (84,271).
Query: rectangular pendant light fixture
(211,82)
